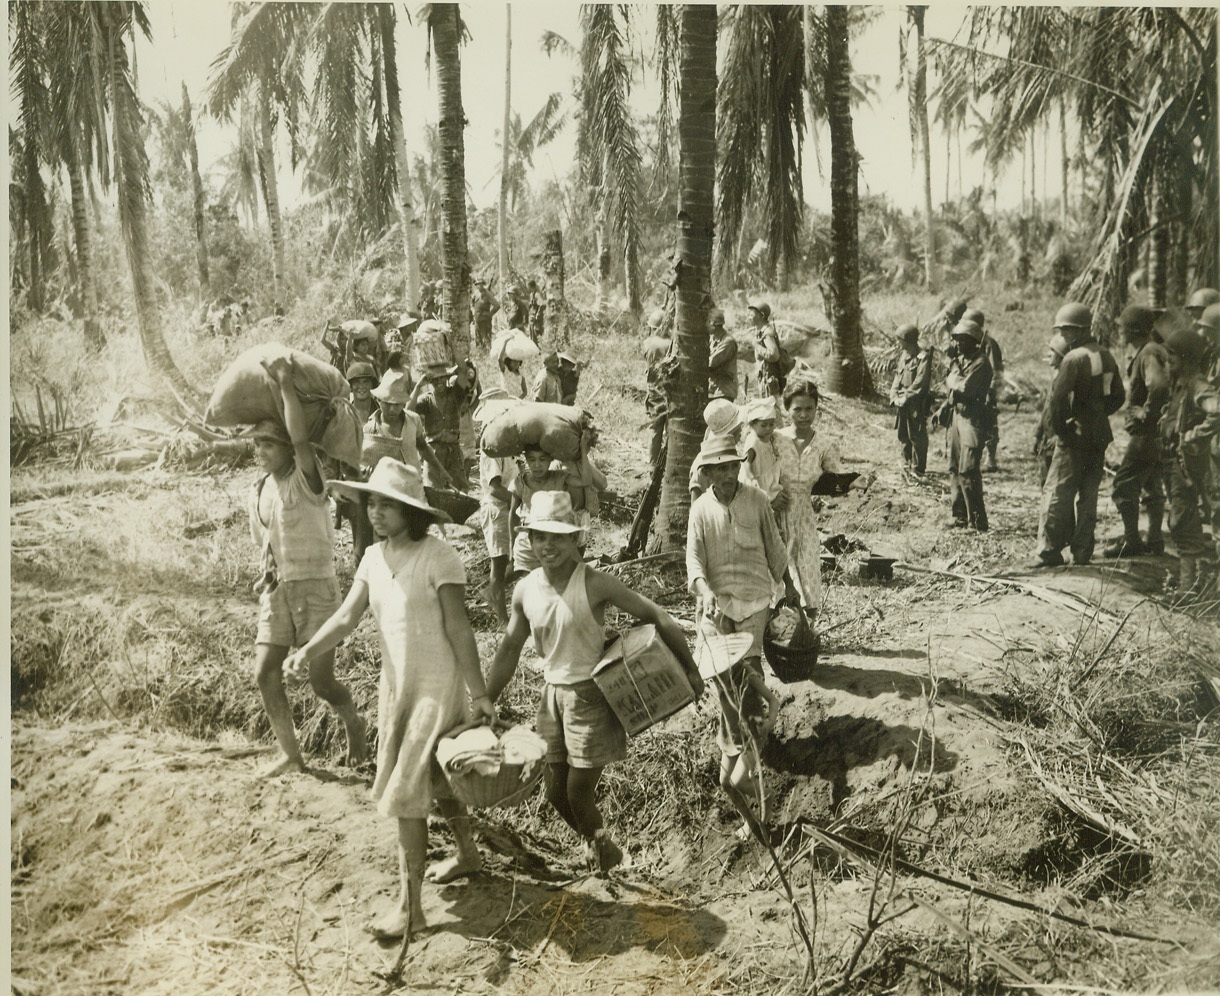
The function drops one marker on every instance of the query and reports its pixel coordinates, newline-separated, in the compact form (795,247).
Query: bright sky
(188,34)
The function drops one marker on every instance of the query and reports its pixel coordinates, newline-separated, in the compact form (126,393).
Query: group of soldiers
(1172,418)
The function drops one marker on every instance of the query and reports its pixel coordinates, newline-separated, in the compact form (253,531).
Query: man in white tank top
(561,605)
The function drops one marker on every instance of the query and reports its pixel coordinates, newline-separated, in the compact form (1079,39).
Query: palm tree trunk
(848,373)
(696,221)
(1178,274)
(1064,164)
(402,166)
(554,318)
(131,178)
(1158,238)
(445,24)
(502,214)
(201,242)
(271,196)
(603,266)
(925,148)
(84,250)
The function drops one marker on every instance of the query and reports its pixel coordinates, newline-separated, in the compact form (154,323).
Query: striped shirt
(736,548)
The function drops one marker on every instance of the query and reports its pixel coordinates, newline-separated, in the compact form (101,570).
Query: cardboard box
(642,679)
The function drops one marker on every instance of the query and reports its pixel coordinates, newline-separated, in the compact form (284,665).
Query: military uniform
(1140,477)
(910,394)
(969,382)
(1088,389)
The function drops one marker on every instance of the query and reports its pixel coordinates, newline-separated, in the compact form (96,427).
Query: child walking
(291,525)
(562,606)
(415,584)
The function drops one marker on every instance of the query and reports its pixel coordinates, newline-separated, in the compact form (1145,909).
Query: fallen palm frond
(1066,599)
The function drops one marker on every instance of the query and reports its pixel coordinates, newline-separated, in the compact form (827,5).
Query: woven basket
(502,790)
(458,505)
(796,659)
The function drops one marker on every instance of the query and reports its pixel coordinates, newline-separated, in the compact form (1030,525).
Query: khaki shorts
(579,727)
(293,611)
(742,709)
(493,518)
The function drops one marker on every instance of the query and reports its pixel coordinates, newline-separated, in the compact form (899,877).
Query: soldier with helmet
(1140,477)
(1207,325)
(995,357)
(1201,299)
(1088,389)
(721,359)
(910,394)
(967,386)
(772,370)
(1189,432)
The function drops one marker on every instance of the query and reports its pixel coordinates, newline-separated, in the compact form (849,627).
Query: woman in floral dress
(803,457)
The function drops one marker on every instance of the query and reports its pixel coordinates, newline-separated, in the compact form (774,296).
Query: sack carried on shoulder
(246,393)
(555,429)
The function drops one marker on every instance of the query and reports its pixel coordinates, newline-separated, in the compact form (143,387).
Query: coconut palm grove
(646,499)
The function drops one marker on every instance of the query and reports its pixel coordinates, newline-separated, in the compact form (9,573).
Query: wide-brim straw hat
(721,416)
(718,653)
(395,480)
(717,450)
(268,428)
(552,512)
(394,389)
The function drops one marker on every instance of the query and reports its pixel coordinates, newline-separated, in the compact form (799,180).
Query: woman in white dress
(415,584)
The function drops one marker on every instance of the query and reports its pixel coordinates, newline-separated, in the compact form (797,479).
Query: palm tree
(180,160)
(848,373)
(917,96)
(261,73)
(201,242)
(607,142)
(446,31)
(696,221)
(505,180)
(762,126)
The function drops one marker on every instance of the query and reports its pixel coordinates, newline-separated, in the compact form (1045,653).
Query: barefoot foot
(285,766)
(452,868)
(395,923)
(357,743)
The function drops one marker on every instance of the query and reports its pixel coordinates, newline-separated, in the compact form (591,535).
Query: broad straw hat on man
(395,480)
(394,388)
(721,416)
(718,450)
(551,512)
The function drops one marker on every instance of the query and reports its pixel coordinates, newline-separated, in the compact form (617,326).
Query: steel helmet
(715,317)
(359,370)
(1187,344)
(1136,320)
(1210,319)
(1073,315)
(969,330)
(908,331)
(656,318)
(759,305)
(1203,298)
(973,315)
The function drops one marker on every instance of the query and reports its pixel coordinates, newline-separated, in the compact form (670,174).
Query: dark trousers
(913,435)
(966,479)
(449,455)
(1140,479)
(1185,521)
(1069,502)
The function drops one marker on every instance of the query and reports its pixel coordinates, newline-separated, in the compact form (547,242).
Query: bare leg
(330,690)
(497,587)
(604,853)
(269,674)
(408,914)
(468,859)
(736,777)
(557,794)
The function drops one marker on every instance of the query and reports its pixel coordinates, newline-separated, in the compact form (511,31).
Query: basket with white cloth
(485,769)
